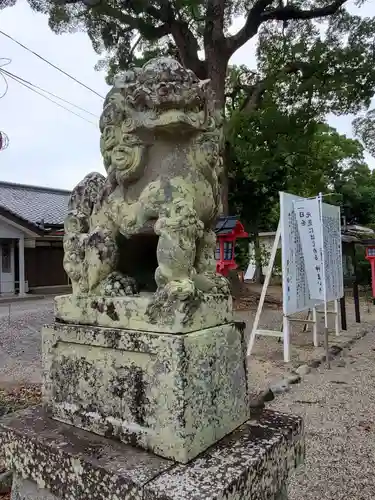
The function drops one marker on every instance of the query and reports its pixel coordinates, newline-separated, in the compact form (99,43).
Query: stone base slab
(174,395)
(54,461)
(131,313)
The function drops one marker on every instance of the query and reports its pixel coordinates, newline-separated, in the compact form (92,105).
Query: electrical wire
(51,64)
(49,99)
(12,75)
(2,64)
(6,85)
(7,61)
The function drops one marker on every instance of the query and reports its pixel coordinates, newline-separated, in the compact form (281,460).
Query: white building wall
(266,243)
(10,236)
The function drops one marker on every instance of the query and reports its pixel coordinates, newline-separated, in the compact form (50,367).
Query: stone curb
(283,385)
(6,482)
(25,298)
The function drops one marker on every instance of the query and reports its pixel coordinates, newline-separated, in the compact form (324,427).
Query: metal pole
(337,325)
(315,328)
(286,338)
(355,287)
(326,344)
(356,302)
(343,313)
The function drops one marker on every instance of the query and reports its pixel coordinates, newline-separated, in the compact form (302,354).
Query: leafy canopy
(198,32)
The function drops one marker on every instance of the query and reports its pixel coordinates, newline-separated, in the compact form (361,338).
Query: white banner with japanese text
(296,294)
(309,228)
(334,275)
(324,285)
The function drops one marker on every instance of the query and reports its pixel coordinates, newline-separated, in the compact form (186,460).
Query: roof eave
(26,226)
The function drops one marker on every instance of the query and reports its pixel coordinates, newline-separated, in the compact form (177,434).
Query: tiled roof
(35,204)
(225,225)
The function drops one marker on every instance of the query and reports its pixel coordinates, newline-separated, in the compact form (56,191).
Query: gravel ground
(338,408)
(266,365)
(20,346)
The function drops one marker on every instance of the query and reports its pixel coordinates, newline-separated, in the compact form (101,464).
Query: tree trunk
(217,71)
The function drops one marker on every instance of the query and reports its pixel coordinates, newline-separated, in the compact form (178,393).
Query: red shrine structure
(228,229)
(370,256)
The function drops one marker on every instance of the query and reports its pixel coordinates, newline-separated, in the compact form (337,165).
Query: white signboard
(296,295)
(332,252)
(327,284)
(310,233)
(309,227)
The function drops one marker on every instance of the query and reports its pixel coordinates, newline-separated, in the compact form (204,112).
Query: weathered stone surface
(231,470)
(59,462)
(175,395)
(161,141)
(73,464)
(131,313)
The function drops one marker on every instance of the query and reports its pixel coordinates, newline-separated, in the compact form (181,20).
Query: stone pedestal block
(55,461)
(132,313)
(174,395)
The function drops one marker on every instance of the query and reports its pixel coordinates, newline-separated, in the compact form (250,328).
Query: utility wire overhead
(49,99)
(4,61)
(6,85)
(51,64)
(12,75)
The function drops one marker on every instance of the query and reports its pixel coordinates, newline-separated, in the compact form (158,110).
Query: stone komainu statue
(160,141)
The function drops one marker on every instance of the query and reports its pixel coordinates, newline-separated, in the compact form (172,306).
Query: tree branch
(259,14)
(250,28)
(188,48)
(293,12)
(164,14)
(136,23)
(255,92)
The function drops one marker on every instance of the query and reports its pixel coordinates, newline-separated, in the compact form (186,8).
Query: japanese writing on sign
(296,295)
(308,219)
(332,248)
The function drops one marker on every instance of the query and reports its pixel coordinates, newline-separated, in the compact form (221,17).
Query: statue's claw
(212,283)
(118,285)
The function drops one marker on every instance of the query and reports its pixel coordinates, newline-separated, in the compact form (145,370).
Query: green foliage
(314,45)
(363,267)
(355,188)
(364,128)
(272,150)
(242,253)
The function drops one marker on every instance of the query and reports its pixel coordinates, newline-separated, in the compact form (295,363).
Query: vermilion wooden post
(370,256)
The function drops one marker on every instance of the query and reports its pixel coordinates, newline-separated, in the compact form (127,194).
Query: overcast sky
(49,146)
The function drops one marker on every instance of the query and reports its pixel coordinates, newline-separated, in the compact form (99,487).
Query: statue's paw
(180,290)
(118,285)
(212,283)
(175,295)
